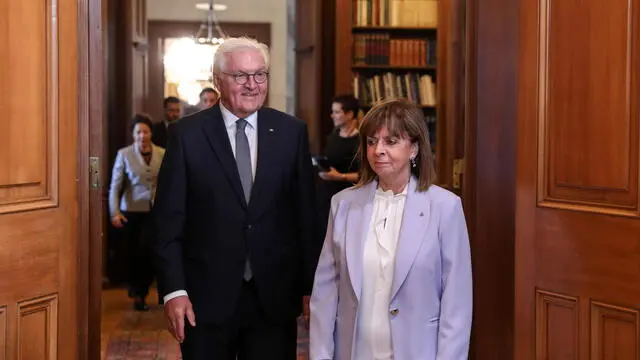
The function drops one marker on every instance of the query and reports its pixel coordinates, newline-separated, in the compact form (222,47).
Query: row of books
(418,88)
(381,49)
(400,13)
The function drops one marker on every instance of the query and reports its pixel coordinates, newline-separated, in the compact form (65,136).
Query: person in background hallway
(172,110)
(208,97)
(133,185)
(394,276)
(235,250)
(340,150)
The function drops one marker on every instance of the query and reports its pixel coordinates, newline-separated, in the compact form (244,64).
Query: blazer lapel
(268,139)
(218,139)
(415,220)
(358,220)
(138,157)
(156,160)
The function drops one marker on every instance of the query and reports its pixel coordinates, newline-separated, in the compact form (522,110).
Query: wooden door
(577,201)
(40,311)
(139,55)
(315,39)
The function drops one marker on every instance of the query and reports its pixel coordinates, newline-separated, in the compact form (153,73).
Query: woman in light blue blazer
(394,277)
(133,187)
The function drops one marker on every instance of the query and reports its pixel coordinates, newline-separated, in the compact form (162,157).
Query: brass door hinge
(458,170)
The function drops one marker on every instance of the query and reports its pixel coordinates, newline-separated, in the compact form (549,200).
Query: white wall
(281,89)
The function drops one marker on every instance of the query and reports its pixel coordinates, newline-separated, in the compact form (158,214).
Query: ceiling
(237,10)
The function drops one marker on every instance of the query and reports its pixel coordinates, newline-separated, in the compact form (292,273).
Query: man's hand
(306,310)
(175,311)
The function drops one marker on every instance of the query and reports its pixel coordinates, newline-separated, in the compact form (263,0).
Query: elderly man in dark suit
(235,218)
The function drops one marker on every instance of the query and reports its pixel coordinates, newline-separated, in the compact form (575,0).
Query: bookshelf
(411,49)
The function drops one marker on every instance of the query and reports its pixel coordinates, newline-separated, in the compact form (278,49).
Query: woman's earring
(413,161)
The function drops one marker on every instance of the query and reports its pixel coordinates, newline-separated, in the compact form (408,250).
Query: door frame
(491,110)
(91,143)
(491,42)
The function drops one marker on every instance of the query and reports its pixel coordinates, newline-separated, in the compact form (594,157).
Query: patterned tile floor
(131,335)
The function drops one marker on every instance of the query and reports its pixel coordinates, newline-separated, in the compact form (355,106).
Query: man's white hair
(233,44)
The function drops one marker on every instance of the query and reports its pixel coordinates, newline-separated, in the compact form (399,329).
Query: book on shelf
(381,49)
(418,88)
(395,13)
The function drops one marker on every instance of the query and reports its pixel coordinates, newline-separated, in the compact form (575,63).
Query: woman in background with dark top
(131,195)
(340,151)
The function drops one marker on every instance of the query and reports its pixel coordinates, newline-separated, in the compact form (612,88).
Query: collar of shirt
(230,119)
(389,195)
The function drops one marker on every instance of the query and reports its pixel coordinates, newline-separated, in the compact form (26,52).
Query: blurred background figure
(172,112)
(208,97)
(131,195)
(340,155)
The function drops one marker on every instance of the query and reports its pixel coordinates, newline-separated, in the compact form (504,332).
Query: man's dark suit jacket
(205,227)
(159,134)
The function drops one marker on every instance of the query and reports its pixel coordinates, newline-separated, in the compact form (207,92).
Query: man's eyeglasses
(242,78)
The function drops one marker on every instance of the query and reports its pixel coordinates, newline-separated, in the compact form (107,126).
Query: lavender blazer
(431,295)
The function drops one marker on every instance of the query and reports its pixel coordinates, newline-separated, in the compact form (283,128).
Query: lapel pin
(271,131)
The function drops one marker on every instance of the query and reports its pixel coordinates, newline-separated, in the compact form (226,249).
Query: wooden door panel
(558,326)
(3,332)
(26,74)
(588,111)
(38,185)
(577,228)
(308,70)
(139,89)
(614,332)
(137,42)
(37,328)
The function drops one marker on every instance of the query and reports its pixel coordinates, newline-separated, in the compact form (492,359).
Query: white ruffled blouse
(373,333)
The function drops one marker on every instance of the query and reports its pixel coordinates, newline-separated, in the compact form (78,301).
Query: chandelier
(205,33)
(188,61)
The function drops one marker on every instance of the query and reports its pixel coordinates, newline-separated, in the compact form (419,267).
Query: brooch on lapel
(271,131)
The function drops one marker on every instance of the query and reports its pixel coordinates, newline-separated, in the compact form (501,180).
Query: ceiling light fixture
(216,7)
(208,27)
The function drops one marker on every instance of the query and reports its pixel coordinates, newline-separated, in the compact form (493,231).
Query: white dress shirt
(373,332)
(252,135)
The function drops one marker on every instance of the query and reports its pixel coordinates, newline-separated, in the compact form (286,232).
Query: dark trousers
(138,237)
(248,336)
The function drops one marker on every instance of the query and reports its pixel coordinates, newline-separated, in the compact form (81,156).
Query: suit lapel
(268,138)
(358,220)
(218,139)
(156,160)
(415,220)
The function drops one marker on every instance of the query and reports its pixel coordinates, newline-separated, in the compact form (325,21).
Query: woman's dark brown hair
(402,119)
(140,118)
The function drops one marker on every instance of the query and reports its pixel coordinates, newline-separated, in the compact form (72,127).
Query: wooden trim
(83,278)
(468,185)
(91,142)
(161,29)
(526,123)
(343,47)
(492,52)
(325,63)
(445,129)
(97,148)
